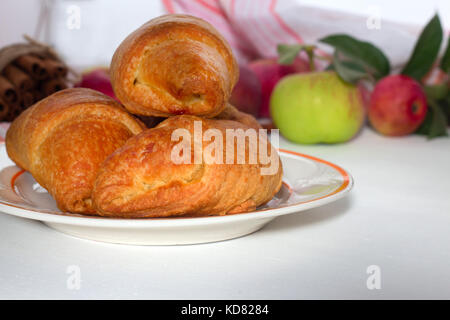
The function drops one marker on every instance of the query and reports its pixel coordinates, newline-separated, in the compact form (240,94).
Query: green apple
(317,107)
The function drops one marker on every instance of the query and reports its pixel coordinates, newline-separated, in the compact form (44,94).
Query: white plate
(308,183)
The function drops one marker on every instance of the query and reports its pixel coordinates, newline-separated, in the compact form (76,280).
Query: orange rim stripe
(345,177)
(344,174)
(14,178)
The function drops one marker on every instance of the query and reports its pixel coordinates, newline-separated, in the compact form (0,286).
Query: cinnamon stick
(38,95)
(33,65)
(55,69)
(26,99)
(13,112)
(18,78)
(53,85)
(4,110)
(7,91)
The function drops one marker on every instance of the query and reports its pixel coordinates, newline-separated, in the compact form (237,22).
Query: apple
(398,106)
(97,79)
(269,72)
(246,95)
(317,107)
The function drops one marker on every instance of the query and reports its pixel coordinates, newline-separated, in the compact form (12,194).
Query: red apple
(269,72)
(97,79)
(398,106)
(246,95)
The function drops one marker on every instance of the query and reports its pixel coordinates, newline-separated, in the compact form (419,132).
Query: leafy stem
(287,53)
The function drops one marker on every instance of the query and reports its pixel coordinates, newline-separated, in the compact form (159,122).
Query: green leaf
(426,124)
(445,61)
(425,51)
(435,123)
(287,53)
(439,124)
(365,54)
(437,91)
(330,67)
(445,104)
(349,71)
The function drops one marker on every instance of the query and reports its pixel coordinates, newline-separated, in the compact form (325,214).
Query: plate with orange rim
(308,182)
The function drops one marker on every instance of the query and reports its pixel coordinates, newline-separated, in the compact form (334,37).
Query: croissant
(63,139)
(172,65)
(232,113)
(229,113)
(144,178)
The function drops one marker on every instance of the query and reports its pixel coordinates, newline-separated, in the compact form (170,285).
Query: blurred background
(86,32)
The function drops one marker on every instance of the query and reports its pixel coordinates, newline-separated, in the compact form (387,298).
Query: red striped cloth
(253,28)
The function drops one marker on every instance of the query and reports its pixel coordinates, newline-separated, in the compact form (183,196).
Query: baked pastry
(232,113)
(152,175)
(172,65)
(63,139)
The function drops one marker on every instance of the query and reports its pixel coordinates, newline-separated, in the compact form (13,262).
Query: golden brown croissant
(63,139)
(145,178)
(174,64)
(232,113)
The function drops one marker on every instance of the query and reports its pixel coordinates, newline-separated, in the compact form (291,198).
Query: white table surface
(397,217)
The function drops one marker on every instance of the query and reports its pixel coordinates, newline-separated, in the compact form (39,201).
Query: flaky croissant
(232,113)
(229,113)
(145,177)
(63,139)
(173,65)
